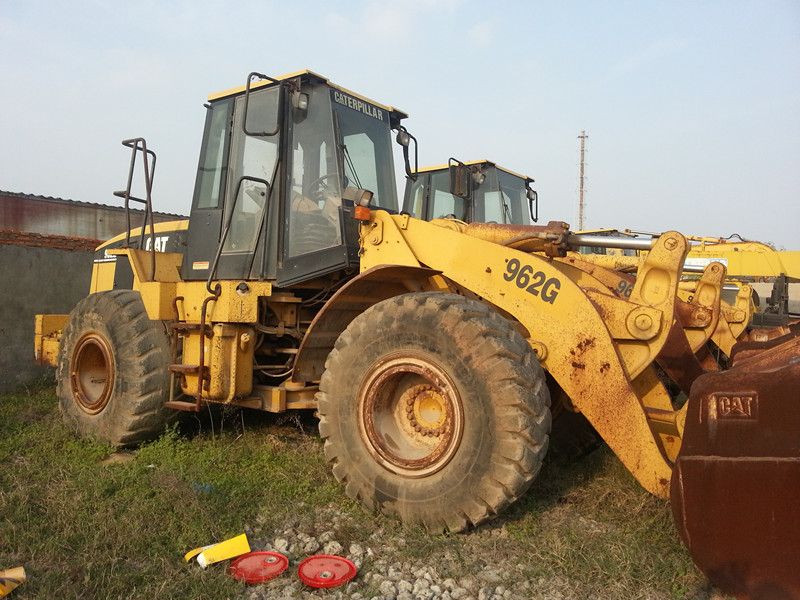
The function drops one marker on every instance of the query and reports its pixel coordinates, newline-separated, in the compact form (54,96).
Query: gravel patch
(387,572)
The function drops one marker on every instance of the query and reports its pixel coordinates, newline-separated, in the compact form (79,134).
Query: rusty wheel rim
(92,373)
(410,415)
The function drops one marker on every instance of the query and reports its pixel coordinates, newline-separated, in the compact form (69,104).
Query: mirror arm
(250,78)
(412,176)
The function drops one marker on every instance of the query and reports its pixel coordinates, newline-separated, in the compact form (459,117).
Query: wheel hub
(92,373)
(425,409)
(411,415)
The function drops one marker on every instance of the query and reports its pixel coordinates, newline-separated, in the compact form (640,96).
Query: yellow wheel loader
(422,346)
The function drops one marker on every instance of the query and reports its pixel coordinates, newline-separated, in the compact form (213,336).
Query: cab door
(243,171)
(314,225)
(206,216)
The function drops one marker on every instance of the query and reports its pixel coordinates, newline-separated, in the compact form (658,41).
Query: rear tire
(434,408)
(113,373)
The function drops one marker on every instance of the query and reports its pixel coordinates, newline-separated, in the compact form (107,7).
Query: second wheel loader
(422,347)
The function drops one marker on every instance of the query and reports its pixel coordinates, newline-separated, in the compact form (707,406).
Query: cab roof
(476,162)
(311,75)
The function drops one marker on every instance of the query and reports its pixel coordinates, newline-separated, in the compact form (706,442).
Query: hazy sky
(692,108)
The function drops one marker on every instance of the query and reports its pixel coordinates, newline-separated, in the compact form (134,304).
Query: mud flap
(737,477)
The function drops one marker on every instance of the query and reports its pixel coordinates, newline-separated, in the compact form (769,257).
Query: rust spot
(604,368)
(577,365)
(585,344)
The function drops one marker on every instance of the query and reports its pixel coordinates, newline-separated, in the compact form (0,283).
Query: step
(186,369)
(184,406)
(189,327)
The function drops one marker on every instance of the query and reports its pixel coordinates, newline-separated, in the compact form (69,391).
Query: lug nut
(701,315)
(643,322)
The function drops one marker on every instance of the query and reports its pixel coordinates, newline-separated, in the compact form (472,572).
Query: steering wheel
(316,188)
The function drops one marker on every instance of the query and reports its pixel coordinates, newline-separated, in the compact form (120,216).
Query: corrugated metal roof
(80,203)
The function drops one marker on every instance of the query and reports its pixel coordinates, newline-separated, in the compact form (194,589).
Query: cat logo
(159,242)
(736,405)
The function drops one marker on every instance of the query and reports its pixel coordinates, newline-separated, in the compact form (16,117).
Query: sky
(691,108)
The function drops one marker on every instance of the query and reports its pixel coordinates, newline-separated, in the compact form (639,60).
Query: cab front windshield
(338,142)
(364,136)
(501,198)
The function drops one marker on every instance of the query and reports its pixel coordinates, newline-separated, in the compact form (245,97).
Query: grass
(84,528)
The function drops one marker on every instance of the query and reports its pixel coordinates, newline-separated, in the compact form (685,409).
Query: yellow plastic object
(208,555)
(10,579)
(194,552)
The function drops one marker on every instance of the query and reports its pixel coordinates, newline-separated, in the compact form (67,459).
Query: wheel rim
(92,373)
(410,415)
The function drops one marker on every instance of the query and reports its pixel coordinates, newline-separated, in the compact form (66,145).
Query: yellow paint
(231,306)
(731,321)
(750,259)
(228,355)
(168,264)
(47,336)
(742,259)
(103,276)
(707,294)
(734,319)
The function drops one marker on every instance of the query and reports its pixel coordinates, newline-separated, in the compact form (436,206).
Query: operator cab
(283,162)
(476,191)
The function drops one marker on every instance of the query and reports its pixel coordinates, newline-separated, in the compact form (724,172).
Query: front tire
(113,376)
(435,409)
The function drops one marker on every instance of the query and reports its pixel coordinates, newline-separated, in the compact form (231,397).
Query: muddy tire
(435,409)
(113,374)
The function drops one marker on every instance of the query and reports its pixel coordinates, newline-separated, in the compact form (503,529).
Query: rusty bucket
(736,485)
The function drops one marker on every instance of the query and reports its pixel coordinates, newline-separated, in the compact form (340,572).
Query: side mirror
(460,179)
(533,204)
(404,138)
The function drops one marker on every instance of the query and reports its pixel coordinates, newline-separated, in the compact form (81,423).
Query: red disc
(326,571)
(258,567)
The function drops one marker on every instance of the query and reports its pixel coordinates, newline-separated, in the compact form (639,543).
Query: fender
(366,289)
